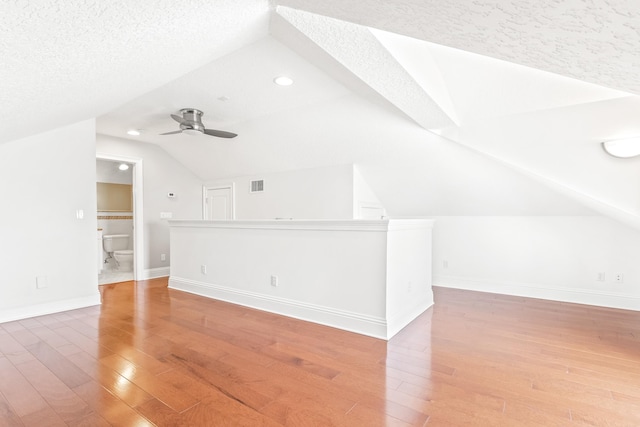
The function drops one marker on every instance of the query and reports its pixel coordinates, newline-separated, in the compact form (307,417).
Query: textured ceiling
(68,60)
(371,62)
(472,67)
(473,88)
(231,92)
(596,41)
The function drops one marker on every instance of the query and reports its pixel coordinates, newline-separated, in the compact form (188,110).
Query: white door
(218,203)
(370,210)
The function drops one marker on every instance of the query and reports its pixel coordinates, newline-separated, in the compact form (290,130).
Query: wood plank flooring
(154,356)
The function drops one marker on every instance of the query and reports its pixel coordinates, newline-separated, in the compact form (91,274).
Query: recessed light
(223,98)
(623,148)
(283,81)
(133,132)
(123,166)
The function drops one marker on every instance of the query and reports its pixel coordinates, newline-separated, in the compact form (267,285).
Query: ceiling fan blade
(177,118)
(171,133)
(220,133)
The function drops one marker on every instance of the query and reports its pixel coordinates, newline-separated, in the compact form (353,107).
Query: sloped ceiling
(64,61)
(594,41)
(449,108)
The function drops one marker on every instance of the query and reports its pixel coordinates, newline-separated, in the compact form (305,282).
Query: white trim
(138,203)
(11,315)
(324,225)
(547,292)
(401,319)
(154,273)
(355,322)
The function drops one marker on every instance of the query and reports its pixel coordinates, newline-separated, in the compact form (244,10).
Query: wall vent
(256,186)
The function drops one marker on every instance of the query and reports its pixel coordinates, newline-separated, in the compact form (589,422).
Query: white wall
(44,179)
(409,271)
(563,146)
(553,257)
(318,193)
(108,171)
(371,277)
(162,174)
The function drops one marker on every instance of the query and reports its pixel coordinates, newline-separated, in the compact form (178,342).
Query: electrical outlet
(163,257)
(41,282)
(274,281)
(600,277)
(618,277)
(203,269)
(445,264)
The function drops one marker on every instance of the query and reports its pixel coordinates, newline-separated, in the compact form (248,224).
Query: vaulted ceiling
(450,108)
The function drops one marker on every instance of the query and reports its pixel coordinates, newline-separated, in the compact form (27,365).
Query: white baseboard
(12,314)
(349,321)
(578,296)
(153,273)
(401,319)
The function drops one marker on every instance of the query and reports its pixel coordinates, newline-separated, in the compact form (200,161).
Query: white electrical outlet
(600,277)
(445,264)
(274,281)
(163,257)
(203,269)
(618,277)
(41,282)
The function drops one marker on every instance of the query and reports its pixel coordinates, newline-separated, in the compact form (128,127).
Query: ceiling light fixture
(623,148)
(283,81)
(133,132)
(123,166)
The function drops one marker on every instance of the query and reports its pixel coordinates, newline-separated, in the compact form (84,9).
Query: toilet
(115,245)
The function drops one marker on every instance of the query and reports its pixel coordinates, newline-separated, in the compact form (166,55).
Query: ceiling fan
(191,123)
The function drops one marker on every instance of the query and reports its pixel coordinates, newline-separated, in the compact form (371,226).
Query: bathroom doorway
(119,197)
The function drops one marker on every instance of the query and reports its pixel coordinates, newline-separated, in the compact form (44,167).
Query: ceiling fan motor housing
(192,120)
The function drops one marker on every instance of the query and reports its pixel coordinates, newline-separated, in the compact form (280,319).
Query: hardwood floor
(153,356)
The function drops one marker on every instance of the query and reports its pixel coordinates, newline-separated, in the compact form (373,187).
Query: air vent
(257,186)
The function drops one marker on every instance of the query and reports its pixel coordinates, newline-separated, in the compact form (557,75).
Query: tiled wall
(116,223)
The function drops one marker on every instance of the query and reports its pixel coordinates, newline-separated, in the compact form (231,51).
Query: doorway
(136,229)
(218,203)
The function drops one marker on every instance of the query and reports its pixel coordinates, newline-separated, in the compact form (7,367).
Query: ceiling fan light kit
(191,124)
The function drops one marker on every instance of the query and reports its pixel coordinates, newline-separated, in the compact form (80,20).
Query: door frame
(138,219)
(205,189)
